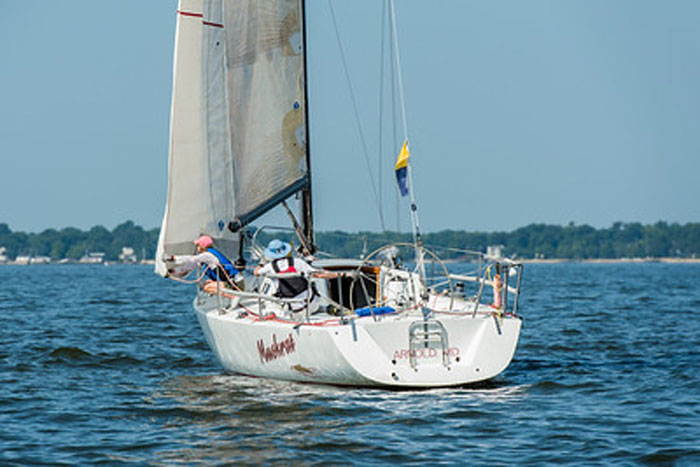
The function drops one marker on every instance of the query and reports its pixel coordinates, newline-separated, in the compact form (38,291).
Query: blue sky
(517,112)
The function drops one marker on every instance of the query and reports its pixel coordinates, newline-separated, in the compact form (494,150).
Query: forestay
(238,135)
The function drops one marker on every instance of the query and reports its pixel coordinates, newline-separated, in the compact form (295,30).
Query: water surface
(107,364)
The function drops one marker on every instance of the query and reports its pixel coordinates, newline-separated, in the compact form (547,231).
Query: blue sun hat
(277,249)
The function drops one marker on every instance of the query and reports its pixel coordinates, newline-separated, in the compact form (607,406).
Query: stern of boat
(430,353)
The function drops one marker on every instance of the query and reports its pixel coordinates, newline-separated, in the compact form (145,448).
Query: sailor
(296,287)
(216,265)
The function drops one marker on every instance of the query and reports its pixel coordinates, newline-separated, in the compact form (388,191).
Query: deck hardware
(498,325)
(427,333)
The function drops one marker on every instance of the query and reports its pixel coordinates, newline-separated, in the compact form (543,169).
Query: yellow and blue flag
(401,169)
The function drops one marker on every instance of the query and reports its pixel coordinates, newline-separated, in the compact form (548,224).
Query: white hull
(361,351)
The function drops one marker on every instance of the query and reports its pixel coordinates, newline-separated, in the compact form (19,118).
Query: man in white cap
(296,287)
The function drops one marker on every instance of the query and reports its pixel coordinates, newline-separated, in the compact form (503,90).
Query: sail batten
(238,126)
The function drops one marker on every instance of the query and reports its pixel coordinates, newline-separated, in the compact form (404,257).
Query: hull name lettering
(404,354)
(276,349)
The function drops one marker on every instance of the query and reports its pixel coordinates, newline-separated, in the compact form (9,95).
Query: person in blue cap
(280,261)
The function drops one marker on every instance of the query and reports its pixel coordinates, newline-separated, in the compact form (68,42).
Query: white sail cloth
(237,125)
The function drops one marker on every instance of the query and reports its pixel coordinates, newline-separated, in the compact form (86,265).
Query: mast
(306,206)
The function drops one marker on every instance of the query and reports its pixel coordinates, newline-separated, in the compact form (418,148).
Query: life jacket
(289,287)
(224,266)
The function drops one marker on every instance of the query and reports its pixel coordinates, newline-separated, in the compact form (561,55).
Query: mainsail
(238,126)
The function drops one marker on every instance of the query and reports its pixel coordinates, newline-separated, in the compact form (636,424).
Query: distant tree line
(73,243)
(621,240)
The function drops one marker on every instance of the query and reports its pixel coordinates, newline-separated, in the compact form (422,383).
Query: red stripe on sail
(200,15)
(187,13)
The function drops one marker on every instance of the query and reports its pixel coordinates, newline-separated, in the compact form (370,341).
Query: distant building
(92,258)
(23,260)
(127,255)
(494,251)
(3,256)
(39,260)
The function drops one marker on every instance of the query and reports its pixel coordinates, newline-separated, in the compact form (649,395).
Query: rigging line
(394,139)
(414,213)
(357,115)
(381,105)
(398,68)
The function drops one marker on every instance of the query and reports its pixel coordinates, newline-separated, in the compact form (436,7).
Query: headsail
(187,211)
(238,129)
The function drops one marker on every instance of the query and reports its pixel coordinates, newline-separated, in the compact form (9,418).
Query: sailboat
(398,317)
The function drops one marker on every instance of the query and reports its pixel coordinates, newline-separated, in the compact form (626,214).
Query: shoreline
(613,261)
(148,262)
